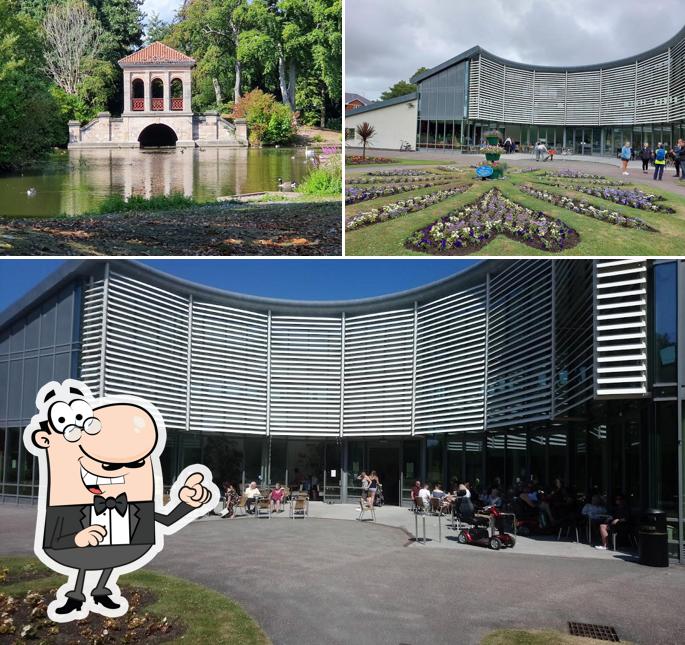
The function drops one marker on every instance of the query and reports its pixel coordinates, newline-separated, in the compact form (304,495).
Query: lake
(76,181)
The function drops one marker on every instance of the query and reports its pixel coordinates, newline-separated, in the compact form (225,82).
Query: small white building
(394,120)
(157,108)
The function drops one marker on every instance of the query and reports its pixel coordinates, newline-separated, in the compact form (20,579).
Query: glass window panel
(556,450)
(2,458)
(473,460)
(495,460)
(12,461)
(536,452)
(455,453)
(434,447)
(32,331)
(4,383)
(223,455)
(665,322)
(47,325)
(279,461)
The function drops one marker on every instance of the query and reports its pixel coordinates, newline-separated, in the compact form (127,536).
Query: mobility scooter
(489,530)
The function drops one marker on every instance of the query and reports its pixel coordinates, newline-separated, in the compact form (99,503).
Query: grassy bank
(310,226)
(597,238)
(192,613)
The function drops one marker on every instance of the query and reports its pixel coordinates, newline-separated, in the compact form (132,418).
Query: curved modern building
(591,109)
(510,370)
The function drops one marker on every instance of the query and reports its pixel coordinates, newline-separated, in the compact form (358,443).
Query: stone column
(187,102)
(127,91)
(148,91)
(241,130)
(74,132)
(167,93)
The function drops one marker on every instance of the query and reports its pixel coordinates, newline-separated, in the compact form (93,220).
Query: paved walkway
(336,581)
(607,166)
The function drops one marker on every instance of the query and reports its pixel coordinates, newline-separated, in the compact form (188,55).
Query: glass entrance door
(384,458)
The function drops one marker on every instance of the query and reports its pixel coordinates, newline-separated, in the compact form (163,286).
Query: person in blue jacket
(626,154)
(659,162)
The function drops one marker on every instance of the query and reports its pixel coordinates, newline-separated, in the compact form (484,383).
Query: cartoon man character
(100,493)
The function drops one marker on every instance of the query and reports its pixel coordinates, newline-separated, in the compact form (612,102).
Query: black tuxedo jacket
(62,523)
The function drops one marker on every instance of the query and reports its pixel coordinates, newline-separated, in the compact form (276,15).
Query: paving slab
(331,579)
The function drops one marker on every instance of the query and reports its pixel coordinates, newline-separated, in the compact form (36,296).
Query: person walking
(676,158)
(626,153)
(681,158)
(659,162)
(646,156)
(538,151)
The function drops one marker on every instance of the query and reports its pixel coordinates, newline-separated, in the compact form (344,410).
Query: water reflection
(76,182)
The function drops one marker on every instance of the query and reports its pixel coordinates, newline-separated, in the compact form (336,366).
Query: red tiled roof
(156,53)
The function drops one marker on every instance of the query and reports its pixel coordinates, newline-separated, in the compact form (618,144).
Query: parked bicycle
(405,145)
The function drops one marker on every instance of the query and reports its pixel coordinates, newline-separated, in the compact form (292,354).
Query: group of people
(370,485)
(276,497)
(445,502)
(542,153)
(607,523)
(659,157)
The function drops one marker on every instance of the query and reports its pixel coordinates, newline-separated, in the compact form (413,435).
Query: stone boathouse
(157,109)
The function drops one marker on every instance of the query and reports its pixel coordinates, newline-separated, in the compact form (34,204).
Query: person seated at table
(252,492)
(595,511)
(425,496)
(276,497)
(617,522)
(493,498)
(415,490)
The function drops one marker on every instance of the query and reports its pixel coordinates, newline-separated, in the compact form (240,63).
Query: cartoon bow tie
(101,504)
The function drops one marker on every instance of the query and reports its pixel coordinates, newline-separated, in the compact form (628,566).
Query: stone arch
(157,135)
(176,91)
(157,94)
(137,95)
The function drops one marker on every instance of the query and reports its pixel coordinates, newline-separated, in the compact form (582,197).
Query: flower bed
(397,209)
(583,208)
(356,195)
(452,168)
(474,226)
(358,160)
(557,181)
(633,198)
(399,172)
(572,174)
(372,179)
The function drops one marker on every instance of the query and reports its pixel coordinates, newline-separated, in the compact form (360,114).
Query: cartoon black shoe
(106,602)
(70,605)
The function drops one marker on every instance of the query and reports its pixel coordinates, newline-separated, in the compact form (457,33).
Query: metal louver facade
(644,89)
(620,327)
(515,342)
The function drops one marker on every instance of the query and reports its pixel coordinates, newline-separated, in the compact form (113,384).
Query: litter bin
(653,538)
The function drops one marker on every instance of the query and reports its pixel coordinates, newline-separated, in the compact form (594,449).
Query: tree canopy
(402,87)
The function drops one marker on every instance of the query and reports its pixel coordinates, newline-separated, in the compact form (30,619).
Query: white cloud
(387,40)
(165,8)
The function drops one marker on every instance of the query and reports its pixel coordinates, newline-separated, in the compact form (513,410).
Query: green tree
(30,119)
(401,88)
(157,29)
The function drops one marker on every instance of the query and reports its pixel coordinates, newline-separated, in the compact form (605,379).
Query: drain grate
(598,632)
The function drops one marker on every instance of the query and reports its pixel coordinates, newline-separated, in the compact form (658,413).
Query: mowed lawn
(597,238)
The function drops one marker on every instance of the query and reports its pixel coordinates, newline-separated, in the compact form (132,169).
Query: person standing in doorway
(646,156)
(626,153)
(659,162)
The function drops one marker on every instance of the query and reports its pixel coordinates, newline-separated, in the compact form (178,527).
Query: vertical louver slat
(652,89)
(620,327)
(677,98)
(520,344)
(305,376)
(573,347)
(228,369)
(147,345)
(378,373)
(92,330)
(450,363)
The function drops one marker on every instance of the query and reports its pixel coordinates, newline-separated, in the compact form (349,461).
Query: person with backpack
(659,162)
(626,153)
(646,156)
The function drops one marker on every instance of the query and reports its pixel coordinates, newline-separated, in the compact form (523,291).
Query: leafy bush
(324,180)
(269,122)
(117,204)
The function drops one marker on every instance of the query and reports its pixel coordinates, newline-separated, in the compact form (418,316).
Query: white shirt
(252,492)
(118,528)
(425,495)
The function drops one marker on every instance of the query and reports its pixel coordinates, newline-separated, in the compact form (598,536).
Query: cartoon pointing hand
(193,492)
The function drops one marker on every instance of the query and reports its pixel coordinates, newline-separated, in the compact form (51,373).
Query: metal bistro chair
(299,507)
(241,505)
(365,507)
(262,507)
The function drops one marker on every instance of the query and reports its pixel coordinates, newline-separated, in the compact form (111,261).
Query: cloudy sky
(165,8)
(388,40)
